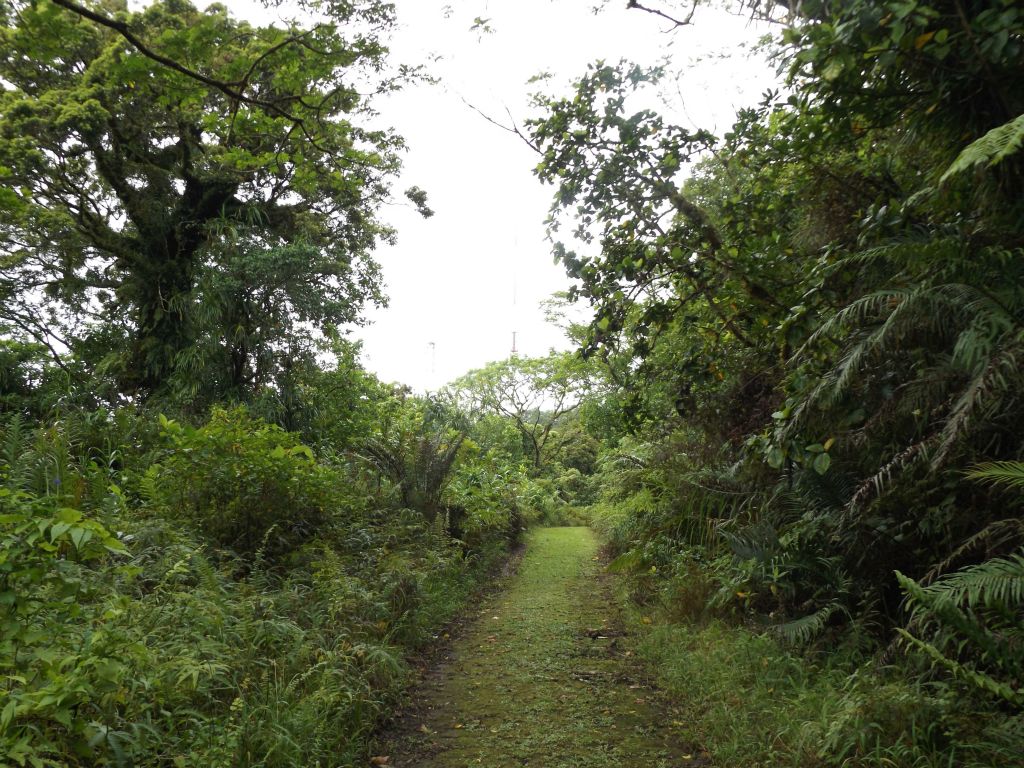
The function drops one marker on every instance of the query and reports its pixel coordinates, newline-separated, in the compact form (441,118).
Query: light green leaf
(821,463)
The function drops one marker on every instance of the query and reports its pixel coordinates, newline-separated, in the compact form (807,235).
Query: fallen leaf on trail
(646,620)
(687,757)
(424,729)
(380,760)
(457,726)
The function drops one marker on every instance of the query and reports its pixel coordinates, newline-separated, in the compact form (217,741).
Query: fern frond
(875,485)
(976,678)
(15,443)
(992,148)
(995,535)
(149,487)
(908,254)
(1006,473)
(806,628)
(983,394)
(873,306)
(934,608)
(996,582)
(882,322)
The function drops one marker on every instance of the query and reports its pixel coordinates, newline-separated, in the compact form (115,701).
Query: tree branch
(676,23)
(514,129)
(40,338)
(229,89)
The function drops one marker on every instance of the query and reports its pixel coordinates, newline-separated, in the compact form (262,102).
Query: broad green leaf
(821,463)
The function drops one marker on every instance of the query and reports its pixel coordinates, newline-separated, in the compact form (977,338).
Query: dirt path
(542,678)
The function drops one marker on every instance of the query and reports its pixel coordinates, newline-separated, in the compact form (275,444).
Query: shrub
(250,487)
(48,582)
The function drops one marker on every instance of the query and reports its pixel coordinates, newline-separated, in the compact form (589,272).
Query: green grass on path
(541,678)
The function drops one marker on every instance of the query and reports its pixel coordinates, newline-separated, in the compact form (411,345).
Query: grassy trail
(541,678)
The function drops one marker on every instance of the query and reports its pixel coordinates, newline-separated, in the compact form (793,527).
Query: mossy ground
(543,677)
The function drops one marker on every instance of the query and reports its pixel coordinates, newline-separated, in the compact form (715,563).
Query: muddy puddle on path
(543,677)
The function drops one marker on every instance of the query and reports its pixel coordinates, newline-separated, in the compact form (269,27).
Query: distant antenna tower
(515,300)
(433,357)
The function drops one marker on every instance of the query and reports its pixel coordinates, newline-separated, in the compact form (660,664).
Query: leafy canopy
(128,182)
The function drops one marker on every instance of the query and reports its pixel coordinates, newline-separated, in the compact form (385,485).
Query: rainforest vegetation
(794,418)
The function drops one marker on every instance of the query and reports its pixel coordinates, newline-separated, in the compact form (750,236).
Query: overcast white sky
(462,281)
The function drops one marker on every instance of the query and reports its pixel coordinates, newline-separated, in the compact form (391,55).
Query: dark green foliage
(818,334)
(981,604)
(143,192)
(247,486)
(254,606)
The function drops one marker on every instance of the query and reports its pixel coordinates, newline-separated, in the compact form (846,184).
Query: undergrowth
(754,691)
(207,596)
(750,702)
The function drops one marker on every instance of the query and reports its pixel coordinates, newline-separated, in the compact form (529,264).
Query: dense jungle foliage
(817,333)
(796,415)
(220,537)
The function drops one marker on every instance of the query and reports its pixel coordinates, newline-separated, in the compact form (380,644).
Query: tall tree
(134,146)
(535,393)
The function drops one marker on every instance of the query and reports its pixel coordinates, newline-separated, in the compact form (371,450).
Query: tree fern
(992,148)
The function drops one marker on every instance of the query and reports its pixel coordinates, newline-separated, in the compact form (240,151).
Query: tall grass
(749,702)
